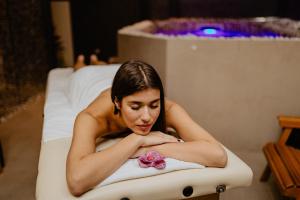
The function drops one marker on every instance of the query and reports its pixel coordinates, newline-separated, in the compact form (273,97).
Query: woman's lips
(144,127)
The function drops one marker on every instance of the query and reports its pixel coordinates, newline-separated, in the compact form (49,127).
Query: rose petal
(143,165)
(160,165)
(152,159)
(143,158)
(153,156)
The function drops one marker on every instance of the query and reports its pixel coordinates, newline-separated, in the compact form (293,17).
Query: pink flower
(152,159)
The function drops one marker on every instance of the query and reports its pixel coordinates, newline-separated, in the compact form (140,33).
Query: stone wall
(28,46)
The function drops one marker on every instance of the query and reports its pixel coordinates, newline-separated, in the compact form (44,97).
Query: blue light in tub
(215,32)
(209,31)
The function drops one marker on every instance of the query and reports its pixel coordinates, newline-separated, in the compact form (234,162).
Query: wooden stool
(284,160)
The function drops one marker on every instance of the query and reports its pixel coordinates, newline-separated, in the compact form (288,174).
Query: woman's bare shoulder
(102,106)
(173,112)
(169,104)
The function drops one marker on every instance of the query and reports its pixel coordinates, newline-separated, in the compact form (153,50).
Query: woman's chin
(140,132)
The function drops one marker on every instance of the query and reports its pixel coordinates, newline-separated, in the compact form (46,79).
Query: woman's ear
(117,103)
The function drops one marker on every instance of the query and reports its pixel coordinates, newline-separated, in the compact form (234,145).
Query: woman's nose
(146,115)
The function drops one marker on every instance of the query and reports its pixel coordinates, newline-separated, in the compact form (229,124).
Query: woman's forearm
(94,168)
(202,152)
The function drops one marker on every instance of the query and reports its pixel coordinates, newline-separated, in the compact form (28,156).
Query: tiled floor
(21,137)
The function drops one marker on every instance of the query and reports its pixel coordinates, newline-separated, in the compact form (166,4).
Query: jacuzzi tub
(234,87)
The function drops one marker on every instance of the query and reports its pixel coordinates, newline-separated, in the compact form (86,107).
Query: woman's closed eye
(154,106)
(135,107)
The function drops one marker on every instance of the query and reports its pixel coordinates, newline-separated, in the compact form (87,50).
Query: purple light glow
(210,31)
(215,32)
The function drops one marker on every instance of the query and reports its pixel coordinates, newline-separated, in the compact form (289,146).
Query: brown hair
(134,76)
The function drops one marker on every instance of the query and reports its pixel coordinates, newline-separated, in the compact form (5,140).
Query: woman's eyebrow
(134,102)
(155,100)
(139,102)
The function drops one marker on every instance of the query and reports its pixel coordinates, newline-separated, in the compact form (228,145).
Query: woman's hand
(152,139)
(139,152)
(156,138)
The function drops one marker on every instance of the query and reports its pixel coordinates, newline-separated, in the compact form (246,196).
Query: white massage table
(68,93)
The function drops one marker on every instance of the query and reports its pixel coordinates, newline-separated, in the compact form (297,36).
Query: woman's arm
(199,145)
(87,168)
(202,152)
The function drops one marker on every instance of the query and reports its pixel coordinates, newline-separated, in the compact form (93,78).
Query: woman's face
(141,110)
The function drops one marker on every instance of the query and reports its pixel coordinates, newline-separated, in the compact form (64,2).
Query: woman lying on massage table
(134,104)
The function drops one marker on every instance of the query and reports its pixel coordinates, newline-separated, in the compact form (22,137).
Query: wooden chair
(284,159)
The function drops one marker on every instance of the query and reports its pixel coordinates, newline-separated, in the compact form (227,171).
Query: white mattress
(58,115)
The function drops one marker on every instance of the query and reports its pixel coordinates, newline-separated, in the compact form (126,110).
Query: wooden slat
(292,192)
(296,153)
(290,162)
(285,135)
(278,168)
(284,160)
(289,122)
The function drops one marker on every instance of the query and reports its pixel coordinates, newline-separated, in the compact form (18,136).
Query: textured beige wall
(61,17)
(150,50)
(233,88)
(236,88)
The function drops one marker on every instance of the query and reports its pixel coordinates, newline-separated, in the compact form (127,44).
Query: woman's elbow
(75,191)
(75,185)
(221,158)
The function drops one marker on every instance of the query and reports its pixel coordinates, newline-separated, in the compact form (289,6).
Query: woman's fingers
(157,137)
(166,137)
(171,137)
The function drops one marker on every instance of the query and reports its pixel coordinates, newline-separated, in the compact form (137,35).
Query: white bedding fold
(70,92)
(87,83)
(131,169)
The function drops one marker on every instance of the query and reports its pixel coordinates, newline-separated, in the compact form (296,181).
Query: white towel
(70,92)
(87,83)
(131,169)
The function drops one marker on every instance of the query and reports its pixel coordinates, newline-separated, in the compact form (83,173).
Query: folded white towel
(70,92)
(87,83)
(131,169)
